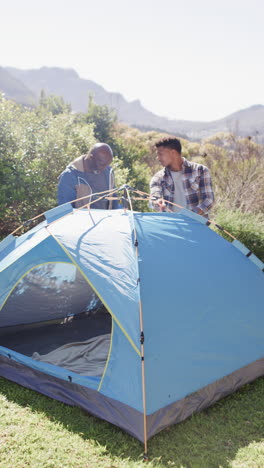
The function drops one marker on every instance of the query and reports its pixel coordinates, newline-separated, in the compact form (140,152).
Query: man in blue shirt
(90,173)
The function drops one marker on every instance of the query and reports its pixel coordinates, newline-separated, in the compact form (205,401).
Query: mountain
(245,122)
(23,85)
(75,90)
(16,89)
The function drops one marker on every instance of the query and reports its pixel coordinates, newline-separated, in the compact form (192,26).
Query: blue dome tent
(139,318)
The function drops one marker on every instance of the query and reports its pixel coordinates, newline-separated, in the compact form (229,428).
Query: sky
(183,59)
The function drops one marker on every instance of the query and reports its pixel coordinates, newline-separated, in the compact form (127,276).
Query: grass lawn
(36,431)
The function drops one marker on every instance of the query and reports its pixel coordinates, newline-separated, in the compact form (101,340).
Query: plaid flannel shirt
(197,186)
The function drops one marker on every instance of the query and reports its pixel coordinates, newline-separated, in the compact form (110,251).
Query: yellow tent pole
(109,192)
(142,339)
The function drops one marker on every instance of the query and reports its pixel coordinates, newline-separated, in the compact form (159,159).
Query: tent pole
(142,338)
(143,379)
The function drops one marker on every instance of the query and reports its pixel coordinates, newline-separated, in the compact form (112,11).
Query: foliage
(39,432)
(130,157)
(54,104)
(248,228)
(103,120)
(35,146)
(143,144)
(237,169)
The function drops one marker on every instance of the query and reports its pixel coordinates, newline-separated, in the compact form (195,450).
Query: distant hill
(25,86)
(245,122)
(16,89)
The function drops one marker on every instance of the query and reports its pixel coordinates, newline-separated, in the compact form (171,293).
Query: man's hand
(161,204)
(199,211)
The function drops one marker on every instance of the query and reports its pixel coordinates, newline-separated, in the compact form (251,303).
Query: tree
(54,104)
(35,146)
(237,169)
(103,119)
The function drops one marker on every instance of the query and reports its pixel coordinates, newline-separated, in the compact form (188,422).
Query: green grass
(36,431)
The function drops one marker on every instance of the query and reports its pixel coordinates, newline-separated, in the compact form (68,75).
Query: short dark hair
(169,142)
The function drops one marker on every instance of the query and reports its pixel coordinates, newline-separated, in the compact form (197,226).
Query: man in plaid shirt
(182,182)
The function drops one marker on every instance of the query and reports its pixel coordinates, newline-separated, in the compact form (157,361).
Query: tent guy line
(146,197)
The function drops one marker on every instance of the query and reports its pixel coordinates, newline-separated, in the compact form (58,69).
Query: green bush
(35,146)
(248,228)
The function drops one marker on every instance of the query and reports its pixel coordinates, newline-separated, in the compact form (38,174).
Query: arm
(206,192)
(113,204)
(66,188)
(156,192)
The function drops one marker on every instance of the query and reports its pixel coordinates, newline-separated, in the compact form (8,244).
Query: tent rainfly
(139,318)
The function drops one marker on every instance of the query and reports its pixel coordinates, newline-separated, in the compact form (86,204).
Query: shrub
(248,228)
